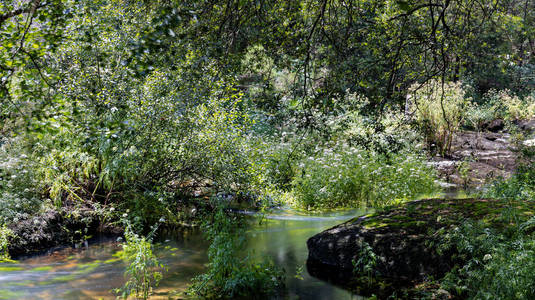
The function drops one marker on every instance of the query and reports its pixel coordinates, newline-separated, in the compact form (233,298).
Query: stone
(403,239)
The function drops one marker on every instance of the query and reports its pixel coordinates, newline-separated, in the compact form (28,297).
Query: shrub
(230,274)
(19,195)
(510,107)
(496,266)
(478,115)
(143,267)
(440,111)
(348,177)
(5,233)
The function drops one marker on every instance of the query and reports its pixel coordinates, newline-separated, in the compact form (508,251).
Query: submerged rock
(404,241)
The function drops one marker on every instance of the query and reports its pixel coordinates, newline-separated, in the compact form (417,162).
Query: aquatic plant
(232,273)
(143,269)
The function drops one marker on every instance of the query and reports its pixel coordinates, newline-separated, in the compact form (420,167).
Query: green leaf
(403,5)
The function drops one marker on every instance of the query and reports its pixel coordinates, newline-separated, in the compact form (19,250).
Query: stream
(92,272)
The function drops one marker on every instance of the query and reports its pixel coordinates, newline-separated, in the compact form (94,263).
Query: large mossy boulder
(404,240)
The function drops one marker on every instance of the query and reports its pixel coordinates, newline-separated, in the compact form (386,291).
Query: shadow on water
(93,272)
(282,236)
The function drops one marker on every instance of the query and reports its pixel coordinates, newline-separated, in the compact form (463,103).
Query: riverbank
(68,226)
(92,272)
(400,249)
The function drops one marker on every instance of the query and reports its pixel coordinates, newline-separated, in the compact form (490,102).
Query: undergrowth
(498,262)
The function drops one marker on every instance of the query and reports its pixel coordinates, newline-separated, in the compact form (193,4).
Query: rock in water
(404,241)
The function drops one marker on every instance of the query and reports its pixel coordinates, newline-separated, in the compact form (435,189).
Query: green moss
(8,294)
(10,268)
(44,268)
(375,225)
(438,213)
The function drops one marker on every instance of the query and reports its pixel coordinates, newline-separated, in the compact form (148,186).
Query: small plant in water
(299,273)
(143,270)
(233,274)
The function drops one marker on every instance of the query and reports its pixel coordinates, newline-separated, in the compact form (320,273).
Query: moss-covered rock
(404,241)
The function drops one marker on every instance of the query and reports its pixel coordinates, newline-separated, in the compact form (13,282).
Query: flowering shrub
(440,111)
(348,177)
(18,193)
(510,107)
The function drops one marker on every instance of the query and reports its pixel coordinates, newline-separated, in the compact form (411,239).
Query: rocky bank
(404,241)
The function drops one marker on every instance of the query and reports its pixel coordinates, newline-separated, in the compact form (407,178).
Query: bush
(5,233)
(440,111)
(348,177)
(143,267)
(478,115)
(19,195)
(230,274)
(496,266)
(510,107)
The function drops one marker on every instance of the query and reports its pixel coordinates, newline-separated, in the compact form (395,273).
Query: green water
(93,272)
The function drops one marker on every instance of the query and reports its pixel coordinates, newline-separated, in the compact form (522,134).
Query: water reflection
(93,272)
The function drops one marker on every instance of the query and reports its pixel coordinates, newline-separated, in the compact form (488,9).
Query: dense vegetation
(139,109)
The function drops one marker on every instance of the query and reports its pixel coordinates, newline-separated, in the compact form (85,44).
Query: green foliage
(496,263)
(365,264)
(499,105)
(440,112)
(479,115)
(143,268)
(349,177)
(464,172)
(231,273)
(496,267)
(18,186)
(510,107)
(521,186)
(5,233)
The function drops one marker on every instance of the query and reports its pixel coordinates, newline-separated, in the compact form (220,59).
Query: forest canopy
(163,112)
